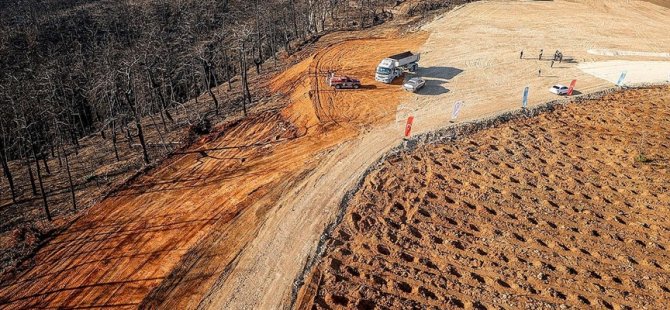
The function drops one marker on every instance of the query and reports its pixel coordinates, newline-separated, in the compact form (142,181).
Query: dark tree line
(72,68)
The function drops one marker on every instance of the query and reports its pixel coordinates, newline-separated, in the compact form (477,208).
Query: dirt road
(232,222)
(470,55)
(565,209)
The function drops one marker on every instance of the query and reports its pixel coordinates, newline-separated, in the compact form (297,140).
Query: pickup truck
(340,82)
(395,65)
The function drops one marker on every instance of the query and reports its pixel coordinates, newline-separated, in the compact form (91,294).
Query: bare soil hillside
(566,209)
(165,239)
(231,222)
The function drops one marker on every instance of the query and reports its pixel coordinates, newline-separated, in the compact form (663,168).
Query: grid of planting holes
(568,209)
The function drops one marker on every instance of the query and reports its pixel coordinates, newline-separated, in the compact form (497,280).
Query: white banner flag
(457,108)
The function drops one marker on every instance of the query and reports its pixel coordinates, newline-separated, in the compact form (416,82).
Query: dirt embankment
(174,233)
(567,208)
(323,125)
(230,222)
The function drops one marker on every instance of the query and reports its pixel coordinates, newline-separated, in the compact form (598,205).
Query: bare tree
(131,101)
(126,72)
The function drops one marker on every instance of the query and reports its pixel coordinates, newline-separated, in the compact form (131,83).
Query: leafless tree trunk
(156,88)
(45,156)
(39,178)
(5,167)
(116,150)
(226,61)
(246,94)
(132,104)
(69,179)
(207,68)
(31,176)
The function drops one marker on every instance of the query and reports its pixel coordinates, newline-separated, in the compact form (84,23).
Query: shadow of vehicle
(574,93)
(435,78)
(439,73)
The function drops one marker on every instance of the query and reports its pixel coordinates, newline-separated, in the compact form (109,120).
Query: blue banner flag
(622,78)
(525,97)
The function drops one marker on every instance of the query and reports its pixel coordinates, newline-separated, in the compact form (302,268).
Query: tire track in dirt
(120,260)
(337,119)
(180,290)
(320,67)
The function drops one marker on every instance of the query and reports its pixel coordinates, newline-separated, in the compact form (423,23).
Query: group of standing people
(558,56)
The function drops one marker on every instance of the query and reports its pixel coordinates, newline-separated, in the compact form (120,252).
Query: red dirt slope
(191,216)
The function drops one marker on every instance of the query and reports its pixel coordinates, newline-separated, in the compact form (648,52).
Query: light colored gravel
(608,52)
(637,72)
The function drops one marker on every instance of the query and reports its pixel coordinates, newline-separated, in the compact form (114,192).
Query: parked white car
(414,84)
(559,89)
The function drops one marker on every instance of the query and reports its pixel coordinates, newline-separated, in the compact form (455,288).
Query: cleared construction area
(232,222)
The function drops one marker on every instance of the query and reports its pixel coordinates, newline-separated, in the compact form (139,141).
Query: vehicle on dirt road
(559,89)
(414,84)
(340,82)
(395,65)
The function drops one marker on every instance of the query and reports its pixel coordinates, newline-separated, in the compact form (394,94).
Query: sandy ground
(637,72)
(607,52)
(664,3)
(234,225)
(557,211)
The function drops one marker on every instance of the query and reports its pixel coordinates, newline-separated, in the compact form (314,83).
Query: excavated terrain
(165,239)
(570,208)
(231,221)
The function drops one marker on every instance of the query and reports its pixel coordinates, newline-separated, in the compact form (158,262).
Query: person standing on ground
(539,72)
(552,63)
(541,51)
(521,55)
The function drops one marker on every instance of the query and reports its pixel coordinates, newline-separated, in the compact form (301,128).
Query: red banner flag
(572,87)
(408,127)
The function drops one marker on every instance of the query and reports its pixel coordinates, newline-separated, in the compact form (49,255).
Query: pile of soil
(567,209)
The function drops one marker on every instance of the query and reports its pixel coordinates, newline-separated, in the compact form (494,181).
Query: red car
(344,82)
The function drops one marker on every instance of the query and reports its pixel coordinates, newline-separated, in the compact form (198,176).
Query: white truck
(395,65)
